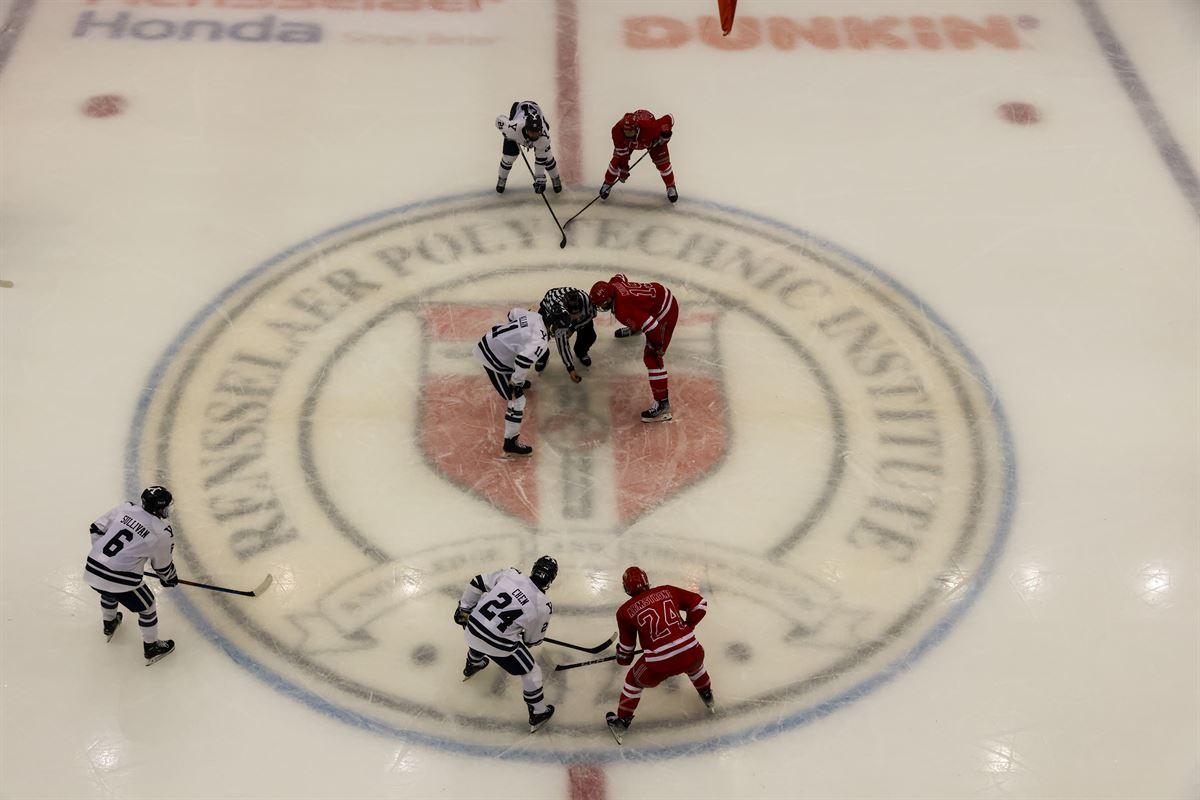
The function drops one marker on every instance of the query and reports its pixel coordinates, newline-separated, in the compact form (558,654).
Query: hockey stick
(561,667)
(255,592)
(597,197)
(600,648)
(546,200)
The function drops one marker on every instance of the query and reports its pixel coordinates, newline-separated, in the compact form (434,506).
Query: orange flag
(726,7)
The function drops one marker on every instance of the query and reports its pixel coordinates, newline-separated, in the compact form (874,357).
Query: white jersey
(122,540)
(513,348)
(506,609)
(513,129)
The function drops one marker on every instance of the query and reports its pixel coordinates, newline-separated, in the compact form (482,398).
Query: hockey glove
(624,176)
(539,185)
(664,137)
(605,190)
(169,582)
(461,615)
(622,333)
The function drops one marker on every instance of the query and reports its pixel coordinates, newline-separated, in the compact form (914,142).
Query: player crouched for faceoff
(526,126)
(508,352)
(650,309)
(664,618)
(503,614)
(580,313)
(639,130)
(122,540)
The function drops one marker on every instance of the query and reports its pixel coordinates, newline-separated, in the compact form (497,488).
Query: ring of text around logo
(837,481)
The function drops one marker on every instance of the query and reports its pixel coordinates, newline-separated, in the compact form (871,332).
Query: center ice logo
(836,481)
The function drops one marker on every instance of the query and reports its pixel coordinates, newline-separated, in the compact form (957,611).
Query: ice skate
(622,333)
(557,184)
(659,412)
(617,726)
(500,184)
(111,625)
(514,449)
(470,669)
(585,360)
(156,651)
(536,721)
(707,696)
(672,193)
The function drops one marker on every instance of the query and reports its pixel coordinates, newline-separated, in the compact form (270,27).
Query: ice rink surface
(934,460)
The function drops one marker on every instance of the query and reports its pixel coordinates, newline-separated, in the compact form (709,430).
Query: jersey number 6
(115,545)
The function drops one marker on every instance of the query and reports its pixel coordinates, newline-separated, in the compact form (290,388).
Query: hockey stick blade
(262,587)
(600,648)
(561,667)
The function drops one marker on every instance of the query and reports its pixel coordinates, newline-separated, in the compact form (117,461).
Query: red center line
(587,782)
(568,130)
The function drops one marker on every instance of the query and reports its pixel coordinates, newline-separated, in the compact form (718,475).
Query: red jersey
(658,618)
(641,306)
(650,131)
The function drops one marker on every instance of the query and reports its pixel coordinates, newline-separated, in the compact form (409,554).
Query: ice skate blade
(158,658)
(661,418)
(615,734)
(511,456)
(108,637)
(534,728)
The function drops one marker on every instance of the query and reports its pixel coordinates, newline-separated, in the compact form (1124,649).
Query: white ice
(935,457)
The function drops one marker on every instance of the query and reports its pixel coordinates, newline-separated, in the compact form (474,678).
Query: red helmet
(629,122)
(601,295)
(635,581)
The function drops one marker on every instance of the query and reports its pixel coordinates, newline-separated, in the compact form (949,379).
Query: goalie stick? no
(561,667)
(600,648)
(255,592)
(549,208)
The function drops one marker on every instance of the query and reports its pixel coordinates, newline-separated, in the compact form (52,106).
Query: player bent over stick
(639,130)
(507,353)
(664,618)
(526,126)
(650,309)
(122,540)
(503,614)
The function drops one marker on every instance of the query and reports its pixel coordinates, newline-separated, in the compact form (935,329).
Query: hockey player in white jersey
(526,126)
(508,353)
(122,541)
(503,614)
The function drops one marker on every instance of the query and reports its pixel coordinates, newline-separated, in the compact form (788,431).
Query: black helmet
(573,301)
(156,500)
(544,571)
(534,125)
(555,316)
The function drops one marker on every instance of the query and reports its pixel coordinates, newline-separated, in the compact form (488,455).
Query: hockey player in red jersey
(664,618)
(650,309)
(639,130)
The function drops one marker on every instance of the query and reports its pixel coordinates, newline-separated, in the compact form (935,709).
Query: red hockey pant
(657,342)
(648,674)
(662,159)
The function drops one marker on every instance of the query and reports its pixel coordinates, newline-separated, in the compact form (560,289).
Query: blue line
(860,690)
